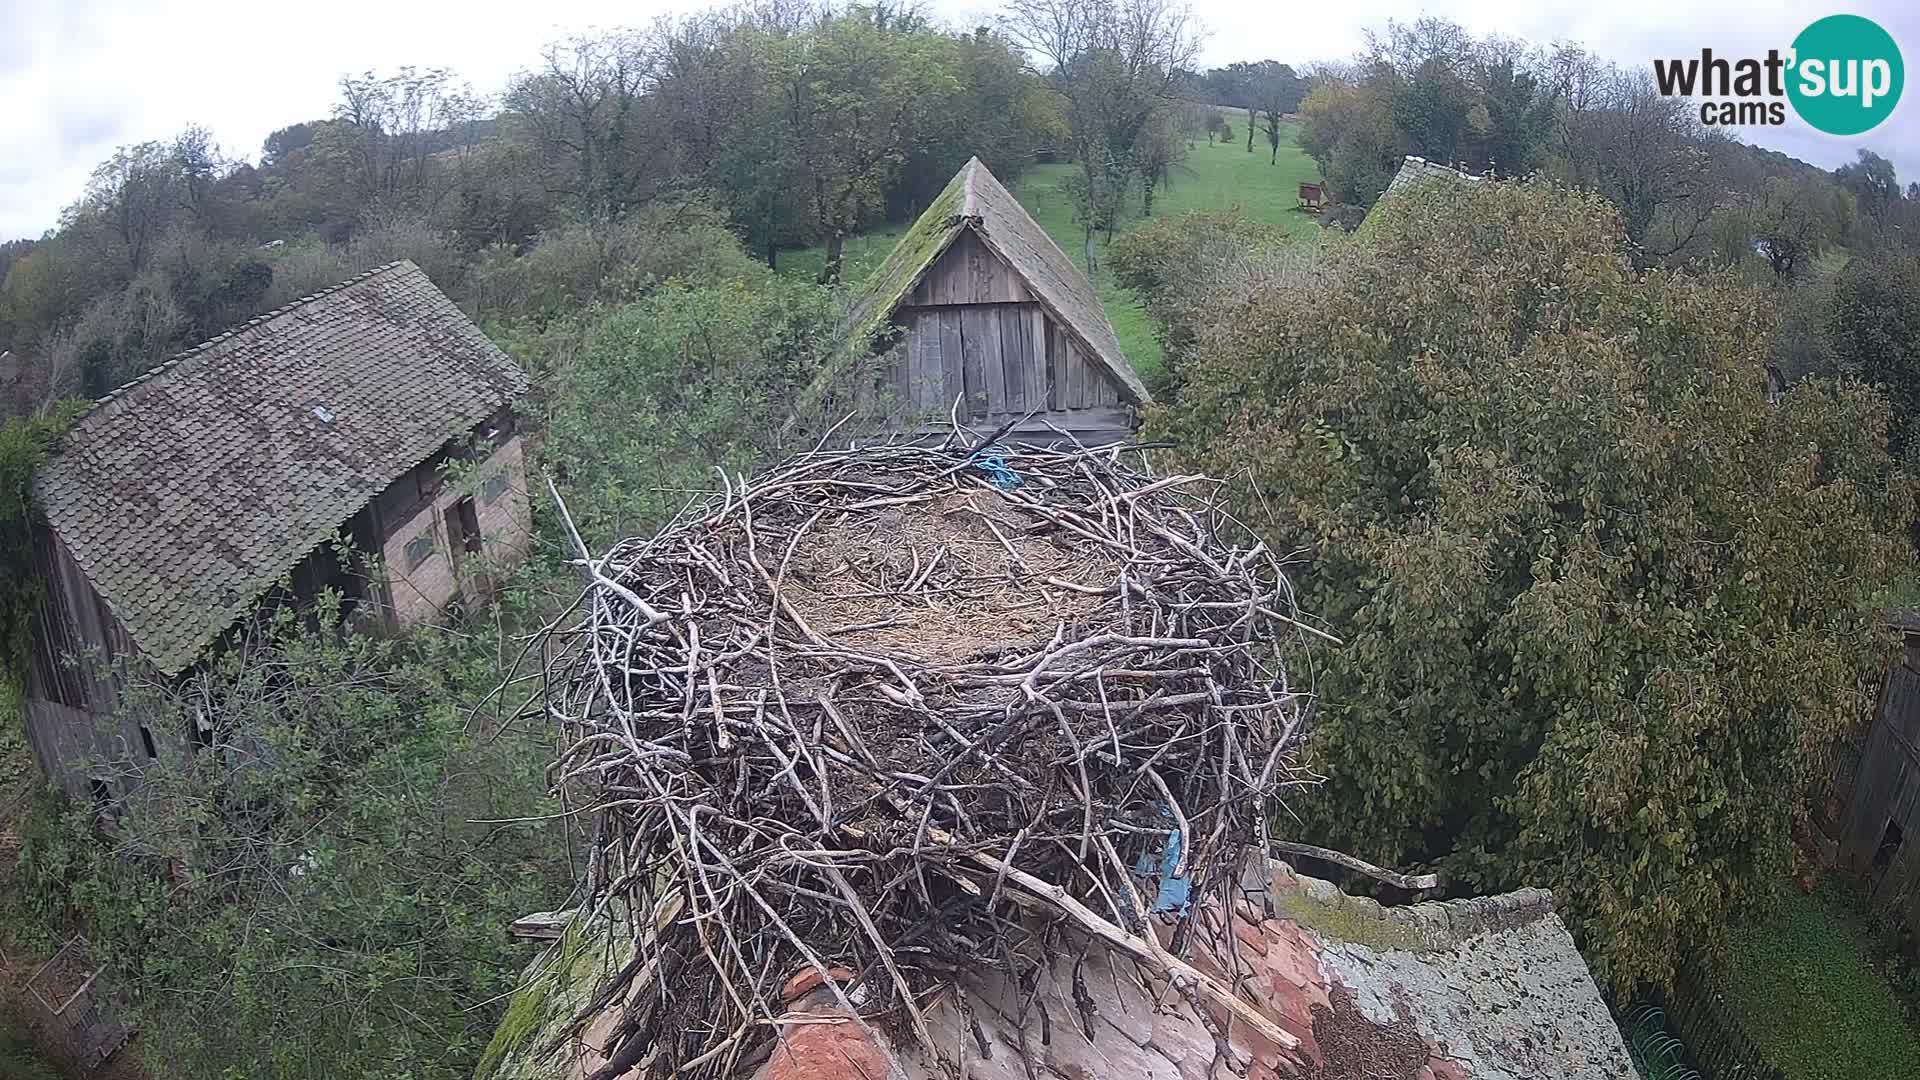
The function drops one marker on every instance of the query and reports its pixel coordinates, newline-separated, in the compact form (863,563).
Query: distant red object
(1313,197)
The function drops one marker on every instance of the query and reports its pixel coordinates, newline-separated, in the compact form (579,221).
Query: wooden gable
(969,273)
(975,330)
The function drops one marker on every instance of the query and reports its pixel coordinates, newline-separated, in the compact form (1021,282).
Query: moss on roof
(930,235)
(975,199)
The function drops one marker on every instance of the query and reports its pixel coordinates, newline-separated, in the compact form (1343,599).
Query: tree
(1517,99)
(1113,63)
(1873,332)
(1644,151)
(585,110)
(24,444)
(132,198)
(1604,607)
(1790,221)
(1347,128)
(1874,184)
(337,865)
(854,93)
(1216,126)
(692,376)
(397,132)
(1274,91)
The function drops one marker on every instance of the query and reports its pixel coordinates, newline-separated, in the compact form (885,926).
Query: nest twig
(910,712)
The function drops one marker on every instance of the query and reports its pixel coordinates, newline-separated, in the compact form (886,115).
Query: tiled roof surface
(975,199)
(186,493)
(1483,989)
(1414,171)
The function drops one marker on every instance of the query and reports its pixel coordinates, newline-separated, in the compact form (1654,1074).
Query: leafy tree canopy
(1604,605)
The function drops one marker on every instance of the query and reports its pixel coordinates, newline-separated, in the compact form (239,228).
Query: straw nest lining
(910,712)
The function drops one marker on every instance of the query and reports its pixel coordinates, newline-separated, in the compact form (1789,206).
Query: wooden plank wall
(975,331)
(968,274)
(1886,792)
(73,693)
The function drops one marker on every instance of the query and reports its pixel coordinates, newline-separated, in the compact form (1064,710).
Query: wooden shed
(1869,818)
(220,480)
(978,305)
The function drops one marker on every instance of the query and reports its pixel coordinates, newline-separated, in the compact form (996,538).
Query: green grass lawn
(1222,176)
(1804,994)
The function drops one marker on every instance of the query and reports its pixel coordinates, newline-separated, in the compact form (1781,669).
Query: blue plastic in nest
(990,460)
(1175,891)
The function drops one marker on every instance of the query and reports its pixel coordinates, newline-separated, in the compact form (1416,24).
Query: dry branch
(869,710)
(1412,882)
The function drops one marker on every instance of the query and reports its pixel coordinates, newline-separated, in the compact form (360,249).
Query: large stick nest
(893,711)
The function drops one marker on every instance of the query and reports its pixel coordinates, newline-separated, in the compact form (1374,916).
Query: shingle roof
(975,199)
(187,492)
(1414,171)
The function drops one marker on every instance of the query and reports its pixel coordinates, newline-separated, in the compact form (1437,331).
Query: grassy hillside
(1216,177)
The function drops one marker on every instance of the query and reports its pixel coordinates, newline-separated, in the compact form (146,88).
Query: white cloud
(81,76)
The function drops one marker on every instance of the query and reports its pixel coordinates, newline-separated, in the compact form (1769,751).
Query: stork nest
(901,713)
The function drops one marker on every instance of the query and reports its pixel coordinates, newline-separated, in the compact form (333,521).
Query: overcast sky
(79,77)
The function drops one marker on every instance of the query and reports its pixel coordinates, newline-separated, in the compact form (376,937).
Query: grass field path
(1220,176)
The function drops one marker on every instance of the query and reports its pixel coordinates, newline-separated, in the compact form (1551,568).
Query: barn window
(419,550)
(1883,856)
(495,487)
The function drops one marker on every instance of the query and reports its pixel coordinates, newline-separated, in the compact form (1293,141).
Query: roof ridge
(970,198)
(1427,924)
(231,332)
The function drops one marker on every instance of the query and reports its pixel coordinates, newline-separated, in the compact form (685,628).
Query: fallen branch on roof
(915,713)
(1413,882)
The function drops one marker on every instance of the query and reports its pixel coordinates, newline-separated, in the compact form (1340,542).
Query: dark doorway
(1884,855)
(463,528)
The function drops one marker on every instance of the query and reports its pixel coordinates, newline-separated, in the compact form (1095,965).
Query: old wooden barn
(1866,821)
(987,311)
(221,479)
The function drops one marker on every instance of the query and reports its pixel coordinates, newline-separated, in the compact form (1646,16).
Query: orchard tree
(1113,64)
(1604,607)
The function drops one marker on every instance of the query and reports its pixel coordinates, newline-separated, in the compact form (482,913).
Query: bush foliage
(645,400)
(325,893)
(1604,605)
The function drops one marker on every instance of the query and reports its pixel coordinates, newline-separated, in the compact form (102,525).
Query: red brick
(826,1052)
(807,980)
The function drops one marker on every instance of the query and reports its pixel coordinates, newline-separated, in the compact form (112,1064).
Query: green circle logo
(1846,75)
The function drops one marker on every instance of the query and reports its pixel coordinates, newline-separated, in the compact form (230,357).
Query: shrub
(338,870)
(1181,266)
(646,399)
(609,261)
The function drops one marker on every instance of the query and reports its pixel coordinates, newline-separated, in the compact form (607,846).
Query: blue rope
(991,460)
